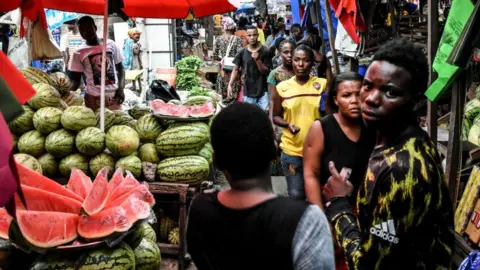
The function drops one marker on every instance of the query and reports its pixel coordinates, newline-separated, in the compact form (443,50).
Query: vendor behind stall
(88,61)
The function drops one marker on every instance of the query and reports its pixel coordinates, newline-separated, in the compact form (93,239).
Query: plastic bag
(18,52)
(160,89)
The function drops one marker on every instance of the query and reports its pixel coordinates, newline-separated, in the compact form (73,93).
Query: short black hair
(286,41)
(275,30)
(297,26)
(312,30)
(312,41)
(337,80)
(242,23)
(307,49)
(251,27)
(86,19)
(404,53)
(243,141)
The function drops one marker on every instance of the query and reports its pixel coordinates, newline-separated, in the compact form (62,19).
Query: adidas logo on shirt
(386,231)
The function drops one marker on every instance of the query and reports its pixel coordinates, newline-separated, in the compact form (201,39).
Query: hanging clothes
(349,16)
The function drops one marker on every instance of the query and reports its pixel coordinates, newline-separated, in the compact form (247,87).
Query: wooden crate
(182,190)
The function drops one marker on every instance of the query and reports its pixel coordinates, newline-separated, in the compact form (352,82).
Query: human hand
(229,90)
(293,129)
(337,184)
(120,96)
(255,55)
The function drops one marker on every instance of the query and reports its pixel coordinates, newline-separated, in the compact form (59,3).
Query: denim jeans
(263,102)
(293,171)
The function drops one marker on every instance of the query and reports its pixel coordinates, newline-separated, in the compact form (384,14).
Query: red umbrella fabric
(171,9)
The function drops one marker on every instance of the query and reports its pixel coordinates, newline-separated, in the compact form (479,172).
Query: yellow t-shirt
(261,36)
(300,105)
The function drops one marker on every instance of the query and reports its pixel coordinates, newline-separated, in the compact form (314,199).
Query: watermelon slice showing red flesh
(41,200)
(47,229)
(125,186)
(5,220)
(170,109)
(79,183)
(104,223)
(34,179)
(204,110)
(136,209)
(98,196)
(140,192)
(116,179)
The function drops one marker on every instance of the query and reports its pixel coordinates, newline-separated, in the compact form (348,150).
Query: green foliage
(187,72)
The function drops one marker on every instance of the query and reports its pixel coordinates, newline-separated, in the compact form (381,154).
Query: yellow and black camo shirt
(405,215)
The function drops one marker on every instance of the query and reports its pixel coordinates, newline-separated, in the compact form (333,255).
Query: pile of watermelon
(82,212)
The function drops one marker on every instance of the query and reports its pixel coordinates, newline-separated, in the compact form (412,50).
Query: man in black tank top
(248,226)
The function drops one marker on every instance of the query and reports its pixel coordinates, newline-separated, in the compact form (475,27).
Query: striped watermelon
(148,128)
(77,161)
(174,236)
(60,143)
(35,75)
(122,140)
(143,230)
(78,117)
(121,118)
(28,161)
(166,225)
(46,96)
(49,165)
(32,143)
(205,153)
(72,99)
(132,164)
(47,120)
(148,153)
(90,141)
(120,257)
(186,169)
(24,122)
(147,255)
(55,261)
(101,161)
(61,82)
(182,140)
(109,118)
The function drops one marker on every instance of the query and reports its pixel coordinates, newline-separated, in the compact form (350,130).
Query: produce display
(187,72)
(184,111)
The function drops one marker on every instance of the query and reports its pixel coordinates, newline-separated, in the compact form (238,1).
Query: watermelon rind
(148,128)
(77,161)
(147,255)
(120,257)
(143,230)
(132,164)
(166,225)
(60,143)
(90,141)
(122,141)
(49,165)
(148,152)
(205,153)
(182,140)
(77,118)
(35,75)
(109,117)
(28,161)
(54,261)
(46,96)
(100,161)
(24,122)
(137,111)
(186,169)
(61,82)
(32,143)
(47,120)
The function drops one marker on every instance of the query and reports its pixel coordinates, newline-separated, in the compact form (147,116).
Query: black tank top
(345,152)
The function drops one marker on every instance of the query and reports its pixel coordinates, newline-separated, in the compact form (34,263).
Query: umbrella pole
(104,64)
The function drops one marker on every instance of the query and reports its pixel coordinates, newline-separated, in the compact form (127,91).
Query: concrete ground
(279,187)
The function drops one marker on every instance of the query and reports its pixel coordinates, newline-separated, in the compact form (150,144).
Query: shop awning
(173,9)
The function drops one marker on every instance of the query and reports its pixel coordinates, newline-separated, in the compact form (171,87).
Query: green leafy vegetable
(187,72)
(199,91)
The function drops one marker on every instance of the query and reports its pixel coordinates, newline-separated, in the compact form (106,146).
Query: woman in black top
(340,137)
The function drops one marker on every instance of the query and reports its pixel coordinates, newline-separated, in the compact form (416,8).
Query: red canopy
(172,9)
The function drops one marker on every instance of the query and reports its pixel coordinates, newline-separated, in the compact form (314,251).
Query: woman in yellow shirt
(295,108)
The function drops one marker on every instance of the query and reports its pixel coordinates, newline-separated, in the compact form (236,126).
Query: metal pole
(433,40)
(331,36)
(320,24)
(104,65)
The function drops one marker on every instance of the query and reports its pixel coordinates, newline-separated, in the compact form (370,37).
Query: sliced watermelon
(125,186)
(170,109)
(207,109)
(116,179)
(47,229)
(141,192)
(5,220)
(79,183)
(104,223)
(97,197)
(34,179)
(41,200)
(136,209)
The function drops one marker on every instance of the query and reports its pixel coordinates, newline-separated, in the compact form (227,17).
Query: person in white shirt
(87,61)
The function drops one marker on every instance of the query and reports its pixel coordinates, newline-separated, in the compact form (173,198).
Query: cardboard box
(473,228)
(468,201)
